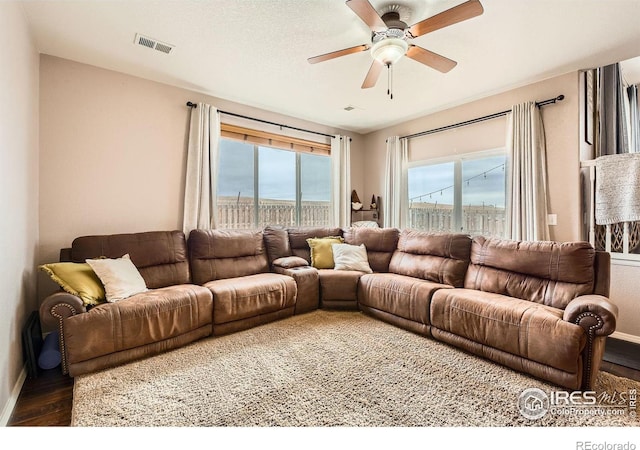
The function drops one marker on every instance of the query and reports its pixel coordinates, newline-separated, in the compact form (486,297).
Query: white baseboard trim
(13,398)
(626,337)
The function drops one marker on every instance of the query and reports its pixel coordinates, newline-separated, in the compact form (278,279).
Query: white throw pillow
(351,257)
(121,279)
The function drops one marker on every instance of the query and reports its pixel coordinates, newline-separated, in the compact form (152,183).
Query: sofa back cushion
(160,256)
(298,239)
(220,254)
(550,273)
(276,240)
(438,257)
(379,242)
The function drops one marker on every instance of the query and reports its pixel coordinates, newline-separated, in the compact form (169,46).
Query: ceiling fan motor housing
(392,20)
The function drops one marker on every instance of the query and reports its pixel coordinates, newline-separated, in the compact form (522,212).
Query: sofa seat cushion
(519,327)
(252,295)
(400,295)
(339,284)
(144,318)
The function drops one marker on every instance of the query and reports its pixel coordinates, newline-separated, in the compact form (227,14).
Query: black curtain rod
(194,105)
(479,119)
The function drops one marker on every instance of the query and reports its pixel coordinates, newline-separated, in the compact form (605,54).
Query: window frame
(457,161)
(258,139)
(273,140)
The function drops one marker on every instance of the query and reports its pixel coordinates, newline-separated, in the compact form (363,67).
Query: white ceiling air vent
(155,44)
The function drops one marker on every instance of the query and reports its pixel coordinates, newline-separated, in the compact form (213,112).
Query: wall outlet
(552,219)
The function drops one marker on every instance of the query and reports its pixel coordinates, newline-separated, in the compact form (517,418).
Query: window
(463,194)
(260,185)
(236,188)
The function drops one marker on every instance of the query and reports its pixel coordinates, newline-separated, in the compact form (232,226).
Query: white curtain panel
(396,183)
(200,205)
(340,181)
(527,175)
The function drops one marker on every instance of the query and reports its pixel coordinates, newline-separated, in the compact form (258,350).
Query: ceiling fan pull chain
(391,84)
(390,80)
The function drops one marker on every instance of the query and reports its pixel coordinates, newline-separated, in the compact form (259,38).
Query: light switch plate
(552,219)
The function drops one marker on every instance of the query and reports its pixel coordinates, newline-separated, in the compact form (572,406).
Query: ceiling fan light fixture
(389,51)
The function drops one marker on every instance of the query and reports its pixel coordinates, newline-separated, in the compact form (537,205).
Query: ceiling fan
(391,38)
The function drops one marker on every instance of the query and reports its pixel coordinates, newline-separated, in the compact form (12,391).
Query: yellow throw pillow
(77,279)
(321,251)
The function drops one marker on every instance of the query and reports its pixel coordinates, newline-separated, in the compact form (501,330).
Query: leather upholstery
(439,257)
(160,256)
(602,269)
(234,266)
(595,313)
(251,295)
(509,302)
(338,288)
(379,242)
(518,327)
(308,284)
(276,241)
(549,273)
(571,381)
(299,247)
(290,262)
(218,254)
(400,295)
(142,319)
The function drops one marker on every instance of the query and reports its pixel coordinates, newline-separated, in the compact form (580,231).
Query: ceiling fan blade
(338,53)
(431,59)
(373,74)
(367,13)
(464,11)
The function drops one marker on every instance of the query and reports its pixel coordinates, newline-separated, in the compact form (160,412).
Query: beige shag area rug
(326,368)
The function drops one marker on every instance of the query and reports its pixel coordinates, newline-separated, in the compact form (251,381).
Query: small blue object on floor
(50,354)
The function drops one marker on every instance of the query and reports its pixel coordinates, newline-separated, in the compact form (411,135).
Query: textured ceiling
(255,51)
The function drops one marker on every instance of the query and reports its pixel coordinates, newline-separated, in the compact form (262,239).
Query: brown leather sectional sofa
(537,307)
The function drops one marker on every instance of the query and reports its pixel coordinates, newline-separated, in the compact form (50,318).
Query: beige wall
(562,131)
(18,193)
(113,152)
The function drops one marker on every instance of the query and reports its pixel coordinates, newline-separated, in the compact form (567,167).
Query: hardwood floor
(44,401)
(47,399)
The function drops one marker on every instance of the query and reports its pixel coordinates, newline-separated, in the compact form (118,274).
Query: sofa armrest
(59,306)
(308,283)
(54,310)
(290,262)
(595,313)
